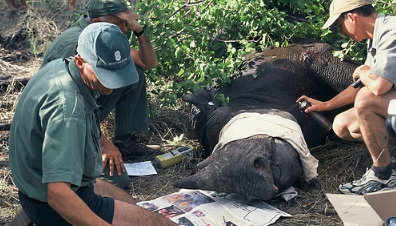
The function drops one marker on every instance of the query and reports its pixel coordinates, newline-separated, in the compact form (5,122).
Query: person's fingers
(104,163)
(118,167)
(119,163)
(122,168)
(111,167)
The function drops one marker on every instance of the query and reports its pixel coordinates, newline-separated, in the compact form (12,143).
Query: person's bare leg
(11,5)
(107,189)
(125,214)
(346,126)
(371,112)
(125,208)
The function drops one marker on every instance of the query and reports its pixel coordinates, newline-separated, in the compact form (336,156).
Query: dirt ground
(23,39)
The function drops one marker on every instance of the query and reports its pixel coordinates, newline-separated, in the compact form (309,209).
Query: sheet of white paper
(140,168)
(288,193)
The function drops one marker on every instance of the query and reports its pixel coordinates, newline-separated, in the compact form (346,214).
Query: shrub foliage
(203,42)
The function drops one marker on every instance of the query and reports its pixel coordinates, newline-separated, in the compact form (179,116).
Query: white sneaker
(368,183)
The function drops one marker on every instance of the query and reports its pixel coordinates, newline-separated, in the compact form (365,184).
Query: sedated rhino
(259,165)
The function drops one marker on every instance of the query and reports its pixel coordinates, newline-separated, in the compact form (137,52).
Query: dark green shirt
(54,134)
(65,44)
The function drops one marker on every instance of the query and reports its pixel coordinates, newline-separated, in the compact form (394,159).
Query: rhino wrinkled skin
(261,166)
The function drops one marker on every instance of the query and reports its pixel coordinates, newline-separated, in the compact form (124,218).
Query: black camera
(390,121)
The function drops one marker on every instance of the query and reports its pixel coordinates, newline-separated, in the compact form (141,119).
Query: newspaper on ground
(205,208)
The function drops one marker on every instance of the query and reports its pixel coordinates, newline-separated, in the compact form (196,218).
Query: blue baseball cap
(107,50)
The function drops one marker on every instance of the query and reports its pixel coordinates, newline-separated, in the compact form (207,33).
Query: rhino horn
(204,163)
(196,181)
(207,178)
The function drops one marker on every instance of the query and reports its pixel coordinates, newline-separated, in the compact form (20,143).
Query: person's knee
(340,127)
(363,101)
(121,181)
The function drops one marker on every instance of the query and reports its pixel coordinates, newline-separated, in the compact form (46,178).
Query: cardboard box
(354,210)
(371,209)
(383,202)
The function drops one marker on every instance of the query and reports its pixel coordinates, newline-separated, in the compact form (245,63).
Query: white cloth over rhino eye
(248,124)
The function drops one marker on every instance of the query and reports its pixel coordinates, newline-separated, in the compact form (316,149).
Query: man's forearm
(66,202)
(146,52)
(145,57)
(344,98)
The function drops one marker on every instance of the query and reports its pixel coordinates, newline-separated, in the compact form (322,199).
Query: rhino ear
(201,98)
(189,98)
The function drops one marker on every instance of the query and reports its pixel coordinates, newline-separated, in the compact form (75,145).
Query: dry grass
(9,203)
(169,127)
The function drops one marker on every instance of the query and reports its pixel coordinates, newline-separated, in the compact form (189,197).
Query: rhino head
(256,168)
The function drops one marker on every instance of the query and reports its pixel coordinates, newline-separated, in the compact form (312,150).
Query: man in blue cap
(54,150)
(130,102)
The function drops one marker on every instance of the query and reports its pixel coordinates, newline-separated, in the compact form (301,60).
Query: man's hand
(133,25)
(316,105)
(376,84)
(362,70)
(112,156)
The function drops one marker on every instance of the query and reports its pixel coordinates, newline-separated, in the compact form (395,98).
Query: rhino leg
(252,167)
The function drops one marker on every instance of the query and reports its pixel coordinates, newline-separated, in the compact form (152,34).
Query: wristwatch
(137,34)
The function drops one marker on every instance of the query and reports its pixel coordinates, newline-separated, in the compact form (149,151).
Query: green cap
(118,8)
(107,50)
